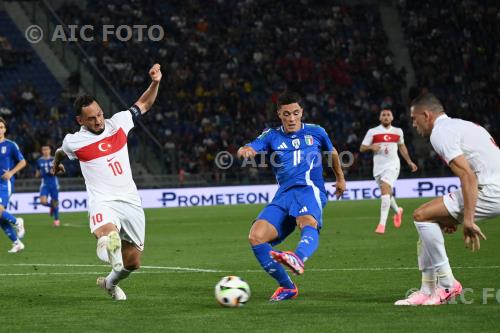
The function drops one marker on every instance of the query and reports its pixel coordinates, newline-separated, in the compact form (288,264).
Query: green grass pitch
(349,285)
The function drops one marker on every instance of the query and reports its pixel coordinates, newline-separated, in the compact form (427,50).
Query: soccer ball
(232,291)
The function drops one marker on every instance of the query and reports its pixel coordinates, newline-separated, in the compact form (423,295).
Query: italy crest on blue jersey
(296,158)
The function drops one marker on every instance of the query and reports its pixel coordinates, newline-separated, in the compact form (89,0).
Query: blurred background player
(116,217)
(11,162)
(474,157)
(50,184)
(301,195)
(384,141)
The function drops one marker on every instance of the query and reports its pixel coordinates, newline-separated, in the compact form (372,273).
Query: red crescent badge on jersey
(379,138)
(104,147)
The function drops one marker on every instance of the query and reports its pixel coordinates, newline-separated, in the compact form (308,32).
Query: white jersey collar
(441,117)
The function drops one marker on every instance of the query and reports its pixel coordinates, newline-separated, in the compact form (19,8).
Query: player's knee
(133,267)
(419,215)
(255,238)
(132,264)
(105,230)
(55,203)
(262,232)
(304,221)
(385,189)
(2,209)
(43,200)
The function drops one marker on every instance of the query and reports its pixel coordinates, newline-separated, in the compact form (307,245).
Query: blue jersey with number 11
(296,158)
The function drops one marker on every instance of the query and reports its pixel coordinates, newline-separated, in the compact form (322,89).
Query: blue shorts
(293,202)
(50,190)
(4,198)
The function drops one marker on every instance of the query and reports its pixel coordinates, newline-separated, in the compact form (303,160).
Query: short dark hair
(81,102)
(288,97)
(428,101)
(3,121)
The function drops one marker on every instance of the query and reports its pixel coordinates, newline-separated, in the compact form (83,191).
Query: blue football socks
(309,241)
(9,230)
(8,217)
(56,211)
(271,267)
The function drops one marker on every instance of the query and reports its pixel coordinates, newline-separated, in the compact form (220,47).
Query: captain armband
(136,112)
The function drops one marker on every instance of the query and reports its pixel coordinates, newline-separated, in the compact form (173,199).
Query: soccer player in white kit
(115,214)
(474,157)
(384,141)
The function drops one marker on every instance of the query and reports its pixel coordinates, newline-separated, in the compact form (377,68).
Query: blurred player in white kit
(115,214)
(384,141)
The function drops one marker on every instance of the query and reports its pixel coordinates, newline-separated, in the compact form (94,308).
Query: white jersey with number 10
(104,160)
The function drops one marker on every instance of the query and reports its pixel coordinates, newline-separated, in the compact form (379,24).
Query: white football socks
(116,276)
(394,205)
(425,266)
(433,244)
(384,208)
(102,251)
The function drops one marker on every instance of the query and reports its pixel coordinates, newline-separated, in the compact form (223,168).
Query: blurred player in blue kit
(11,162)
(296,151)
(50,184)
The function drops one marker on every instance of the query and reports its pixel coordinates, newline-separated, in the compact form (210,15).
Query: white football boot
(115,292)
(17,246)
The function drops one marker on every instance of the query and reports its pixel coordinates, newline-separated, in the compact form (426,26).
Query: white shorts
(488,203)
(388,176)
(129,220)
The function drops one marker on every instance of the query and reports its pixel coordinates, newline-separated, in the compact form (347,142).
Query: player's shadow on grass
(349,297)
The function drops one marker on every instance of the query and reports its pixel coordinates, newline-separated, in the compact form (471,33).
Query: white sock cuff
(116,276)
(102,252)
(386,201)
(426,224)
(394,205)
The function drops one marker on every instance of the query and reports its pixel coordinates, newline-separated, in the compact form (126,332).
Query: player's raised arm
(340,185)
(468,181)
(404,152)
(57,167)
(145,102)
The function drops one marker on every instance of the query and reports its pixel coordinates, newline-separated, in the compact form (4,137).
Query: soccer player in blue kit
(50,184)
(11,161)
(296,151)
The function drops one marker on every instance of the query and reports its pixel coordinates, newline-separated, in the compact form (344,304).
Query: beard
(96,132)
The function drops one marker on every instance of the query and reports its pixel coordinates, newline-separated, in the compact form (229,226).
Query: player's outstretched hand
(449,229)
(155,73)
(472,235)
(375,147)
(7,174)
(60,170)
(246,152)
(339,188)
(413,166)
